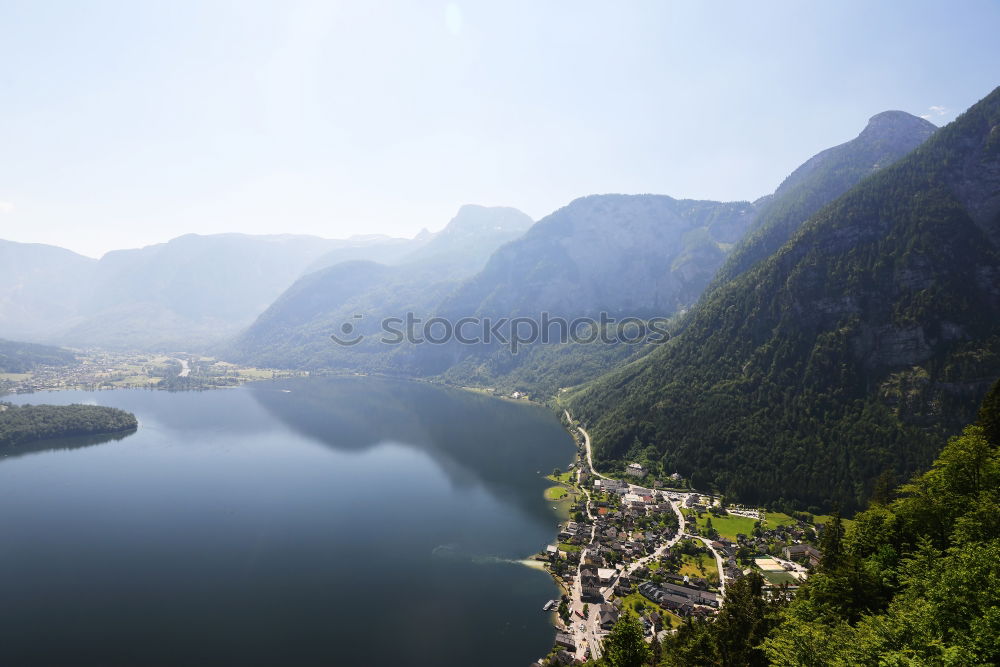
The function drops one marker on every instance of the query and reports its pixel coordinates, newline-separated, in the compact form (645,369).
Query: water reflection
(61,444)
(342,521)
(475,439)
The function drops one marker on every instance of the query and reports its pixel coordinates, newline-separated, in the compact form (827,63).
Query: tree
(744,621)
(884,485)
(710,530)
(693,644)
(832,543)
(657,650)
(625,645)
(989,415)
(916,580)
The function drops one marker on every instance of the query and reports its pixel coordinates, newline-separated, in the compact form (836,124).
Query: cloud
(6,206)
(934,112)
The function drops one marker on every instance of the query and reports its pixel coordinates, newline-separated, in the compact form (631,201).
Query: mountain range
(194,291)
(821,336)
(625,255)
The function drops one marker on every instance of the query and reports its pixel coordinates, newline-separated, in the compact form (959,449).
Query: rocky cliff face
(887,137)
(634,254)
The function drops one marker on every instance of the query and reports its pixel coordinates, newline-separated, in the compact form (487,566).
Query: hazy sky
(129,123)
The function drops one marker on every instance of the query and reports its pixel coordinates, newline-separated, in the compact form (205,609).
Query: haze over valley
(634,336)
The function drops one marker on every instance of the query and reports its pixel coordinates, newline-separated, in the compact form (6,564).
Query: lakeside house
(566,641)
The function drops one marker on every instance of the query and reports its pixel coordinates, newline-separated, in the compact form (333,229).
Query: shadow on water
(61,444)
(475,439)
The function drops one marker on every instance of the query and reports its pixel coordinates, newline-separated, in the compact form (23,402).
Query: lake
(316,521)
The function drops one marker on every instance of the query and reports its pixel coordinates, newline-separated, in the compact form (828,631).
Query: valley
(464,333)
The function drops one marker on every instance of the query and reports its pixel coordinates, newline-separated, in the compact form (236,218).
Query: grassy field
(563,478)
(728,526)
(569,548)
(775,519)
(632,600)
(702,565)
(256,373)
(15,377)
(134,380)
(778,578)
(556,492)
(564,496)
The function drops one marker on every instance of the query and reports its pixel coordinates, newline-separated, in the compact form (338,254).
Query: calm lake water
(348,521)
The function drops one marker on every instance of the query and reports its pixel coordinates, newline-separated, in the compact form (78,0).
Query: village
(103,369)
(660,550)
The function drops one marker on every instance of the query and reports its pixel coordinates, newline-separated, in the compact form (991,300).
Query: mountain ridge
(878,317)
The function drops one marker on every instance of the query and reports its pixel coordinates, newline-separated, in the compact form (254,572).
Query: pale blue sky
(129,123)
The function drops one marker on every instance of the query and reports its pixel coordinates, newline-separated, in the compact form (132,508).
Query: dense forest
(18,357)
(914,580)
(850,352)
(23,424)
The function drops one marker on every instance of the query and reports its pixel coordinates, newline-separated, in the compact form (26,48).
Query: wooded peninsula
(23,424)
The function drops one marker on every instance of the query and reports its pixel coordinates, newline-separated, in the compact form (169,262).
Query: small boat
(549,605)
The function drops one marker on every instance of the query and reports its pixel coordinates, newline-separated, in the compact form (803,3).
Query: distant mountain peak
(895,122)
(475,218)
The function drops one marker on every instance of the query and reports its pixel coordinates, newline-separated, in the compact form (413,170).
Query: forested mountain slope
(850,351)
(532,275)
(295,330)
(16,357)
(627,255)
(915,579)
